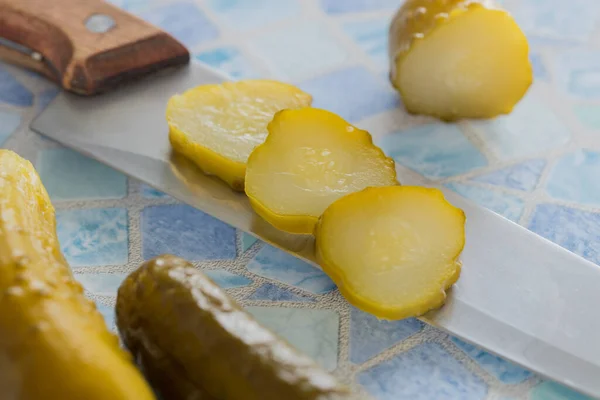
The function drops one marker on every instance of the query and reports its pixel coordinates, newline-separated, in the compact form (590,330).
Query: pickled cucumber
(311,158)
(54,344)
(457,59)
(217,126)
(393,251)
(170,312)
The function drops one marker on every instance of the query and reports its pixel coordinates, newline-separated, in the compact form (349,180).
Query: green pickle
(195,342)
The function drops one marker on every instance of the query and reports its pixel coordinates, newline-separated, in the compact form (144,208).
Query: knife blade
(519,296)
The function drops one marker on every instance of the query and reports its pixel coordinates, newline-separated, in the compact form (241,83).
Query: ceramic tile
(356,6)
(523,176)
(245,15)
(370,336)
(229,60)
(588,115)
(108,313)
(507,205)
(531,128)
(185,21)
(269,291)
(151,193)
(575,178)
(425,372)
(501,369)
(314,332)
(578,73)
(247,241)
(226,279)
(104,284)
(557,20)
(9,122)
(185,232)
(68,175)
(576,230)
(353,93)
(553,391)
(46,96)
(372,36)
(435,150)
(12,91)
(540,72)
(275,264)
(300,49)
(94,237)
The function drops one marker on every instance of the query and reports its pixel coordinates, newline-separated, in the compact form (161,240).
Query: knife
(519,296)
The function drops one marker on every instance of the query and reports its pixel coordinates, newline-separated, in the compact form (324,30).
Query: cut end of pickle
(393,251)
(311,158)
(475,64)
(218,126)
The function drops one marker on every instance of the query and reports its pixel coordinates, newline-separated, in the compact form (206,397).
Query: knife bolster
(86,46)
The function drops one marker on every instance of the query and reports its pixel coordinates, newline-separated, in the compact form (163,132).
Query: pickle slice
(458,58)
(393,251)
(311,158)
(174,317)
(218,126)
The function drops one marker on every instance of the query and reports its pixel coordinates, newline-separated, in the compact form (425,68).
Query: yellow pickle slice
(311,158)
(392,251)
(456,59)
(217,126)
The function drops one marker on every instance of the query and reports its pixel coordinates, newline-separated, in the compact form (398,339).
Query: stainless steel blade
(519,295)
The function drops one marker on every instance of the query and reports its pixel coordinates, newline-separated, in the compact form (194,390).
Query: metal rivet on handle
(100,23)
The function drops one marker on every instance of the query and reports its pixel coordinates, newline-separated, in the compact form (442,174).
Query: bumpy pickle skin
(217,126)
(456,59)
(174,316)
(310,158)
(54,344)
(392,251)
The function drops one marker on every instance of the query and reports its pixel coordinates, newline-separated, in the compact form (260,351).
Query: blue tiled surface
(185,21)
(105,284)
(9,122)
(423,373)
(94,237)
(434,150)
(588,115)
(337,51)
(230,60)
(108,313)
(532,128)
(353,93)
(507,205)
(575,178)
(369,335)
(185,232)
(247,241)
(354,6)
(372,36)
(554,391)
(578,231)
(522,176)
(269,291)
(151,193)
(275,264)
(226,279)
(502,370)
(244,15)
(300,39)
(68,175)
(12,91)
(314,332)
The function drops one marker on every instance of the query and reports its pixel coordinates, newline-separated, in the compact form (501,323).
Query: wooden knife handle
(87,46)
